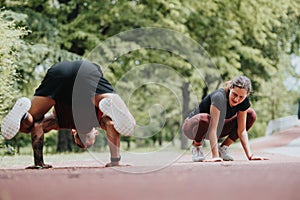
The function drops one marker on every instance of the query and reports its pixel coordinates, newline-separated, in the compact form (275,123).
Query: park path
(277,178)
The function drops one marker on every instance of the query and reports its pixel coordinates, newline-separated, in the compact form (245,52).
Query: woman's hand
(253,157)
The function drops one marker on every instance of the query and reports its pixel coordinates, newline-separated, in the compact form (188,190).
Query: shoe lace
(197,151)
(225,149)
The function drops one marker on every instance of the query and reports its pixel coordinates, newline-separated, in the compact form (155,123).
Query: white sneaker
(224,153)
(117,111)
(197,153)
(11,123)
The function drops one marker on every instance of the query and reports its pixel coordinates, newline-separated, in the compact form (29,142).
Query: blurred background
(256,38)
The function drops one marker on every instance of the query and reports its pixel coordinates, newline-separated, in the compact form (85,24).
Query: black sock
(24,116)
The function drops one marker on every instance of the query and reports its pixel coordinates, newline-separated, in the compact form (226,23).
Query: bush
(10,41)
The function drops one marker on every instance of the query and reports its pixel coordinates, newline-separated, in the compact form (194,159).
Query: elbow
(242,133)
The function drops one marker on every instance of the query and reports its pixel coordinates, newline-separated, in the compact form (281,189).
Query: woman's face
(236,96)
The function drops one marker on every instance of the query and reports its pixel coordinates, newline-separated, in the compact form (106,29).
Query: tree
(28,61)
(10,41)
(10,37)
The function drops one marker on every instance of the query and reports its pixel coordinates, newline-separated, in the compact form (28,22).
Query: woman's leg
(230,130)
(195,128)
(230,127)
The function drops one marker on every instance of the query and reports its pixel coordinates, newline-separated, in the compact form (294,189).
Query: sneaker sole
(227,159)
(198,159)
(121,118)
(11,123)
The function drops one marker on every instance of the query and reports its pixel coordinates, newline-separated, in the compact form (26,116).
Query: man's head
(85,140)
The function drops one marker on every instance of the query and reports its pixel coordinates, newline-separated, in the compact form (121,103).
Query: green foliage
(10,39)
(22,65)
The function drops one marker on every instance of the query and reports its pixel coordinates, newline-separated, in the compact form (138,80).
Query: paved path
(277,178)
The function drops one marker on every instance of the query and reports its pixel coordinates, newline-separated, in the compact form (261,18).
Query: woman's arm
(212,132)
(243,135)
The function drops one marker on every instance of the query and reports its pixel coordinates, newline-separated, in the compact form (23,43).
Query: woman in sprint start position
(226,113)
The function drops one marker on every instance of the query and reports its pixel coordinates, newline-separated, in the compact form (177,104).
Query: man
(82,99)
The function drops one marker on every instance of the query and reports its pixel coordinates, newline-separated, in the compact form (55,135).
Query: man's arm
(37,139)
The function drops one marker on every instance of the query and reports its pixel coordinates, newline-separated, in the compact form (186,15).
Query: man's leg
(113,139)
(10,125)
(39,107)
(113,106)
(107,123)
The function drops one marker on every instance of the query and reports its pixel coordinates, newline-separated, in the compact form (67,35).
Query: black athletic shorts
(63,77)
(72,85)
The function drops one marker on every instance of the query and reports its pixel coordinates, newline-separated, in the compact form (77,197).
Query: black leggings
(195,128)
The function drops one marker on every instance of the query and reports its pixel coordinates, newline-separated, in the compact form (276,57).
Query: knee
(37,129)
(85,140)
(26,130)
(251,115)
(27,124)
(50,123)
(186,129)
(192,125)
(106,122)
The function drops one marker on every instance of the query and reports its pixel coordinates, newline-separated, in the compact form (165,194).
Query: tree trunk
(172,133)
(204,92)
(185,110)
(65,141)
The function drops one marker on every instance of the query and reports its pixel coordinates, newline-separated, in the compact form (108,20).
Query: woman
(225,112)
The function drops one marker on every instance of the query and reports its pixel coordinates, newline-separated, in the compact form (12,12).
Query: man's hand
(43,166)
(112,164)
